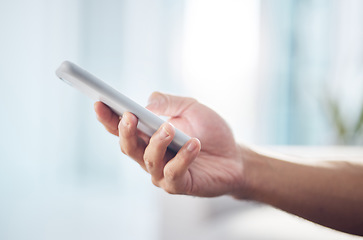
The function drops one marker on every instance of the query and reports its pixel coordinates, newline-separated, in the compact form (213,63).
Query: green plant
(346,132)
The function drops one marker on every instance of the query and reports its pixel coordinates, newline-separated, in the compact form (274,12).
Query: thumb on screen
(168,105)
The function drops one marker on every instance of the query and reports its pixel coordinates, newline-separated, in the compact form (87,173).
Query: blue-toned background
(311,63)
(268,67)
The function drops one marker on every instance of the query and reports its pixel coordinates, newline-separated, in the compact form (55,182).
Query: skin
(212,163)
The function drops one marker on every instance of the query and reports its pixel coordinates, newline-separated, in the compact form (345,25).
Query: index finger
(107,117)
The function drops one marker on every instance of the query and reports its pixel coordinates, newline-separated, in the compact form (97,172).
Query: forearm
(330,193)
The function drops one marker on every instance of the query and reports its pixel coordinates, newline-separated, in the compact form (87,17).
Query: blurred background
(283,72)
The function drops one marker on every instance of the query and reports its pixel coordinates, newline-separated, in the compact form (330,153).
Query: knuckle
(149,164)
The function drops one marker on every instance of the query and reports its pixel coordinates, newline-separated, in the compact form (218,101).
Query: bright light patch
(219,58)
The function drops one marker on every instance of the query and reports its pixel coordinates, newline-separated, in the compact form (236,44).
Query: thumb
(168,105)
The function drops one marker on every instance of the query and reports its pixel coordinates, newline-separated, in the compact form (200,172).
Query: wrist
(251,163)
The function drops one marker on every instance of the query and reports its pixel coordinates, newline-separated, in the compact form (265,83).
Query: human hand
(210,166)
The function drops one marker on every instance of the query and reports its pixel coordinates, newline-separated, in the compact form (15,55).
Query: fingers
(107,117)
(176,179)
(170,175)
(154,156)
(130,142)
(169,105)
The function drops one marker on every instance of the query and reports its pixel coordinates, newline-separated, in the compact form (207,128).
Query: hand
(210,166)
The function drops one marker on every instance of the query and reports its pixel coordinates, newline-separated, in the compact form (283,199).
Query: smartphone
(98,90)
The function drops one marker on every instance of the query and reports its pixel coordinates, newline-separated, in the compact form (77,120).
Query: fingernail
(192,146)
(164,133)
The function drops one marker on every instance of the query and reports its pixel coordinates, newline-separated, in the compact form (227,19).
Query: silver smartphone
(119,103)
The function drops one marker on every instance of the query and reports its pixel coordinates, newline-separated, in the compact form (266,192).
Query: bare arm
(213,164)
(328,193)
